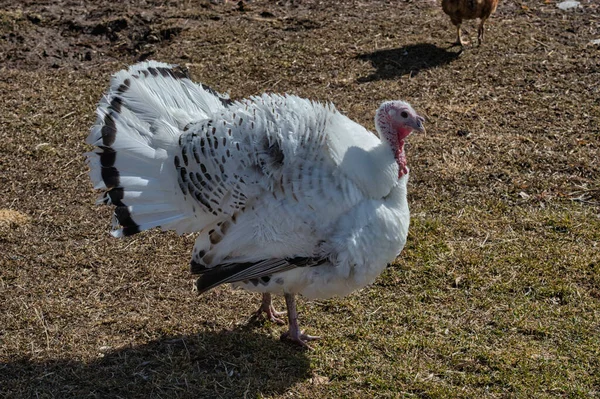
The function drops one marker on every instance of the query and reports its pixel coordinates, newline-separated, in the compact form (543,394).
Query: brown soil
(511,156)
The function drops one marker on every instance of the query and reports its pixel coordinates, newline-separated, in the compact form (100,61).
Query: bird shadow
(238,363)
(407,60)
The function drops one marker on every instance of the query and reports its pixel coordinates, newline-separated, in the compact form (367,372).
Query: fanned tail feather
(139,121)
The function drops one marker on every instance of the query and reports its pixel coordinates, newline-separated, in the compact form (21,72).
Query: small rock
(147,18)
(567,5)
(595,42)
(524,195)
(152,39)
(44,147)
(319,380)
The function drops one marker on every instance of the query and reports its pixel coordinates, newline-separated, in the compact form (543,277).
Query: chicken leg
(480,32)
(294,334)
(459,39)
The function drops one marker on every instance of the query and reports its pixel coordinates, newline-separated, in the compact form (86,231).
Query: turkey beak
(418,124)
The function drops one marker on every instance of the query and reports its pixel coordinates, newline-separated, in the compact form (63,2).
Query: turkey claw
(299,339)
(271,314)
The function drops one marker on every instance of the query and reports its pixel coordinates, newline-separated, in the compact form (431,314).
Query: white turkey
(288,195)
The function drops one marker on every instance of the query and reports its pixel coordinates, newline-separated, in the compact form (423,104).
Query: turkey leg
(294,334)
(269,310)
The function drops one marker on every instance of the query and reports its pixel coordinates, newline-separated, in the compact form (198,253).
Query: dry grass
(496,295)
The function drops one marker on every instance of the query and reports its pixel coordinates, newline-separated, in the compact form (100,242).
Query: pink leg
(268,309)
(294,334)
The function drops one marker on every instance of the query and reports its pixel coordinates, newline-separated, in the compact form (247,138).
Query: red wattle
(401,159)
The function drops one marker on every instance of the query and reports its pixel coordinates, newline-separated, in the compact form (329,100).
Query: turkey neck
(386,167)
(400,157)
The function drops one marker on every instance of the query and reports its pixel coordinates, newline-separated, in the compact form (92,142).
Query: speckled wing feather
(263,152)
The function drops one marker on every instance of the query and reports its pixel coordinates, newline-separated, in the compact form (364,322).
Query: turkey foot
(294,334)
(298,337)
(269,311)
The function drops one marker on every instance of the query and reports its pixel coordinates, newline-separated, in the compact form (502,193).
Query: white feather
(269,177)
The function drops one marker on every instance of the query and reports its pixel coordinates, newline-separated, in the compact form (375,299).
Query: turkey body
(288,196)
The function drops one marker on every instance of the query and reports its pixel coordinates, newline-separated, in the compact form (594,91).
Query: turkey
(287,195)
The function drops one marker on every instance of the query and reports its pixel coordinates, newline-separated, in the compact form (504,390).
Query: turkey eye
(404,114)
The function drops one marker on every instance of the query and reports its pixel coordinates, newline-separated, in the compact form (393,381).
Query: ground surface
(496,295)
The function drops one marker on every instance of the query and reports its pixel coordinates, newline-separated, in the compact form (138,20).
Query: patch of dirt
(10,218)
(62,34)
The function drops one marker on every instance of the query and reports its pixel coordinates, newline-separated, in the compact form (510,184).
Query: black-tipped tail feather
(128,226)
(138,118)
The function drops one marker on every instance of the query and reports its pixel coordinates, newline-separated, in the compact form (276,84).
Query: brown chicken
(469,9)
